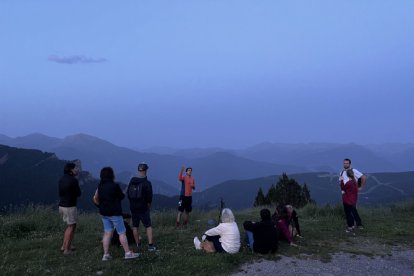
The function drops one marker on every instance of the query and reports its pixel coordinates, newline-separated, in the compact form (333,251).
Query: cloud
(75,59)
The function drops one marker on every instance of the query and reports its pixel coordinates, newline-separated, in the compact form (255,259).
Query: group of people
(261,237)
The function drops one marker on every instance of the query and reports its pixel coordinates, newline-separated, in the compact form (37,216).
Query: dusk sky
(208,72)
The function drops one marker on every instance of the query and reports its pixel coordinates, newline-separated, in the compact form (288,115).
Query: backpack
(135,191)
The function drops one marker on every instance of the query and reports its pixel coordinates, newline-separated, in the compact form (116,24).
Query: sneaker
(197,243)
(152,248)
(68,253)
(349,230)
(131,255)
(106,257)
(360,227)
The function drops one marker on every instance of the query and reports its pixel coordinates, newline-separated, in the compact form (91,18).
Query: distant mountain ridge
(213,166)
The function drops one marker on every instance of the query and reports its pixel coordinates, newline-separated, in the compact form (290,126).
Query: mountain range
(31,176)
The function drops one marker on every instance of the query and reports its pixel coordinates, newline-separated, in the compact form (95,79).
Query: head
(142,168)
(347,163)
(107,173)
(350,173)
(265,214)
(70,169)
(188,171)
(227,215)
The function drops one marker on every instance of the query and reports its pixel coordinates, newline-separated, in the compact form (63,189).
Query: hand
(182,167)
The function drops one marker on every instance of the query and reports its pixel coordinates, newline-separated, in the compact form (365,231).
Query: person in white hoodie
(223,238)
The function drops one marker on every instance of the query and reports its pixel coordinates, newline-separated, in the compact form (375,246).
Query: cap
(142,166)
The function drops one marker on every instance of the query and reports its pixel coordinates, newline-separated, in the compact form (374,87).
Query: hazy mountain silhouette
(380,188)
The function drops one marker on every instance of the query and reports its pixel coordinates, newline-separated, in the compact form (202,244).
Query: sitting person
(223,238)
(261,236)
(286,222)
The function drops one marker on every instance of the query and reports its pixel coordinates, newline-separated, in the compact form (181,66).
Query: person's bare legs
(106,240)
(149,234)
(124,242)
(68,237)
(178,218)
(137,238)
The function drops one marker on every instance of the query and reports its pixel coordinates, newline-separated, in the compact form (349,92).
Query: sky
(208,73)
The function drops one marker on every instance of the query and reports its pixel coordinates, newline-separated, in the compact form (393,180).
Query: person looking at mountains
(349,191)
(110,196)
(69,191)
(186,199)
(140,198)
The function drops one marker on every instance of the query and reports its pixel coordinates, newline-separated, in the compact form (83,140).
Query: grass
(30,240)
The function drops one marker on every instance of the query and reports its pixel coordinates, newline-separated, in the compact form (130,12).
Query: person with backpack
(360,177)
(186,199)
(69,191)
(139,193)
(261,236)
(349,191)
(110,195)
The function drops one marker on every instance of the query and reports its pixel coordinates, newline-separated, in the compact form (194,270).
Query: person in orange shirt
(186,199)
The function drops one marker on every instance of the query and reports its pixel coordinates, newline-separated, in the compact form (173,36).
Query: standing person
(261,236)
(186,198)
(225,238)
(360,177)
(349,191)
(69,191)
(110,196)
(140,199)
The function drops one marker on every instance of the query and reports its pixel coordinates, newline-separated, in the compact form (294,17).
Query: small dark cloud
(75,59)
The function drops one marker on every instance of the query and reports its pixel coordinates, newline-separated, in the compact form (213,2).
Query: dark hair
(350,173)
(107,173)
(189,168)
(68,168)
(347,159)
(265,214)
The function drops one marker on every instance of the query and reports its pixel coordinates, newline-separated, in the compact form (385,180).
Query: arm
(363,181)
(248,225)
(119,192)
(180,176)
(148,194)
(193,184)
(216,231)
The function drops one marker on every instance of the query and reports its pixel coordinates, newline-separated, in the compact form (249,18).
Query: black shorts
(144,217)
(185,204)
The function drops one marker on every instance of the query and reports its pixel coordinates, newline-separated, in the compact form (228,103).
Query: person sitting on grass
(261,236)
(225,238)
(109,196)
(286,222)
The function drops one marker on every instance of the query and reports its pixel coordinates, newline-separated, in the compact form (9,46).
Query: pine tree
(260,199)
(286,191)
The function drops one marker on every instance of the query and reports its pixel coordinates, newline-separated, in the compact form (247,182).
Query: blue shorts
(144,217)
(117,222)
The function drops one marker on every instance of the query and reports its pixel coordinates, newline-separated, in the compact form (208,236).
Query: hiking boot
(106,257)
(131,255)
(152,248)
(197,243)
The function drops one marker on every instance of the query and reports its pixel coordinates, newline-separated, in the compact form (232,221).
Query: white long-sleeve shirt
(229,236)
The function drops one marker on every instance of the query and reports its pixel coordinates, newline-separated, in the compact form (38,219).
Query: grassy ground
(30,240)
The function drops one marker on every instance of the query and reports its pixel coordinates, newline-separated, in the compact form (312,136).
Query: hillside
(380,188)
(30,240)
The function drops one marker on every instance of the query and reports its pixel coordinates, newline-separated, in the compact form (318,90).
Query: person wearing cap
(139,193)
(186,199)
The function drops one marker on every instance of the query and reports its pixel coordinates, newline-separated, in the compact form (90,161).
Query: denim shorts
(117,222)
